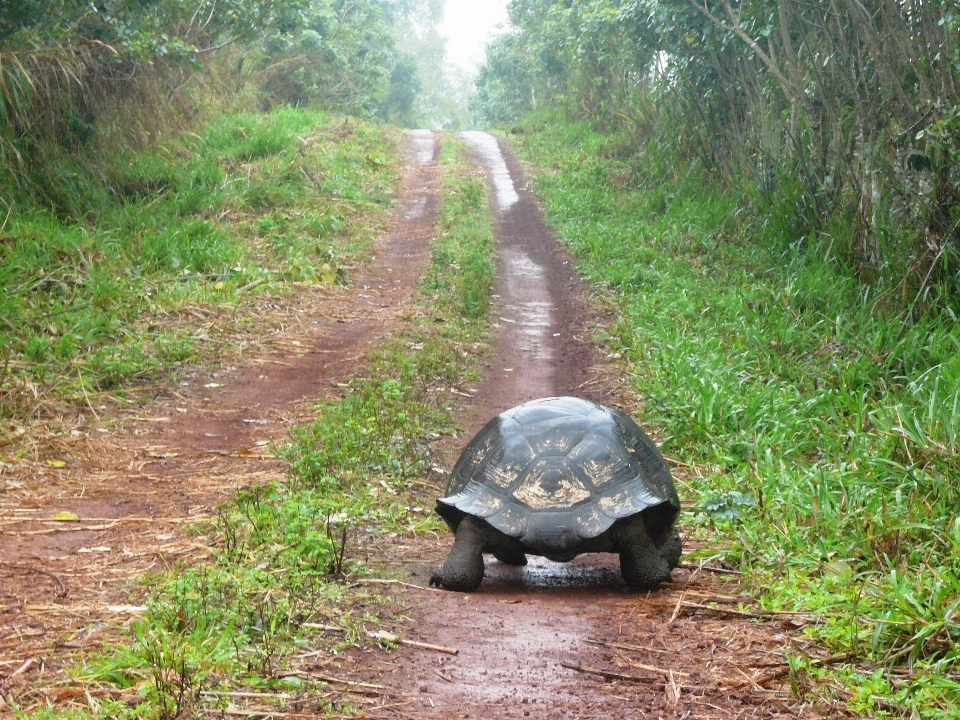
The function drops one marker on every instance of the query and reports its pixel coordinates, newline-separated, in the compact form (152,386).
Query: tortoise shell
(556,471)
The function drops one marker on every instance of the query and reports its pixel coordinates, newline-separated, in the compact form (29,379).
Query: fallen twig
(349,683)
(605,673)
(784,670)
(676,610)
(760,615)
(247,712)
(61,529)
(708,568)
(61,593)
(674,690)
(13,438)
(681,463)
(386,581)
(621,646)
(662,671)
(730,599)
(242,694)
(390,637)
(251,285)
(27,664)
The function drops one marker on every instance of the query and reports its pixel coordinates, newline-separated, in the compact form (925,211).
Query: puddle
(529,304)
(415,208)
(422,145)
(499,174)
(598,572)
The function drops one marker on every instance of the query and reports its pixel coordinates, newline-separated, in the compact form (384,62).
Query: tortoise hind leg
(641,564)
(463,570)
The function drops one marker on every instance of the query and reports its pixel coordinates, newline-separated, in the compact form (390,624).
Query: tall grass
(825,427)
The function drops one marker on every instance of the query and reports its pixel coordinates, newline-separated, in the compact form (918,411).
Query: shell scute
(511,520)
(601,460)
(507,462)
(556,436)
(479,500)
(549,484)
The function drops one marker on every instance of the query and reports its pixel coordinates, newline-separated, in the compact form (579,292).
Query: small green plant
(339,544)
(730,505)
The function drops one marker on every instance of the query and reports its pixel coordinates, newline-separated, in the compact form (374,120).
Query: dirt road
(518,635)
(133,479)
(133,485)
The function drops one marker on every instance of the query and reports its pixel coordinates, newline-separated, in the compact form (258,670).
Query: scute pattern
(503,465)
(600,458)
(548,484)
(557,471)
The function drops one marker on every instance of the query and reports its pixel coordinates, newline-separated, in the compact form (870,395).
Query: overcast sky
(468,25)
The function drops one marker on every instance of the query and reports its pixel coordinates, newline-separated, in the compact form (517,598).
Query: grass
(281,550)
(824,425)
(250,203)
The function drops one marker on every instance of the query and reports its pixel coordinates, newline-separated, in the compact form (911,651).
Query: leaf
(327,273)
(838,568)
(66,516)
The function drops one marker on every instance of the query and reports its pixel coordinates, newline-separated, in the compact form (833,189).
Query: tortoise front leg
(641,564)
(463,570)
(672,549)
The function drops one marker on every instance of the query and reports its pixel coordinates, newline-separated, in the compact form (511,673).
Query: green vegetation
(825,426)
(462,270)
(249,202)
(279,550)
(83,78)
(841,114)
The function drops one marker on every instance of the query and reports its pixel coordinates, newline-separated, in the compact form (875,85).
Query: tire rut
(133,481)
(516,633)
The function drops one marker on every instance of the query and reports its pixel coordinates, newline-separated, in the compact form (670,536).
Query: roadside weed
(825,427)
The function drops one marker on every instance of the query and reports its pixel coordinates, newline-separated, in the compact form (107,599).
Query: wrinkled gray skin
(644,563)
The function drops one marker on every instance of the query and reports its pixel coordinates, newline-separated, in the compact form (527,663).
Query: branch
(738,31)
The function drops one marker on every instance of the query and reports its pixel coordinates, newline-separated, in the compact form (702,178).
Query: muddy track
(135,480)
(516,634)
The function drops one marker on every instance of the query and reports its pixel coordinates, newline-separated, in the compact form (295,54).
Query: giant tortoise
(558,477)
